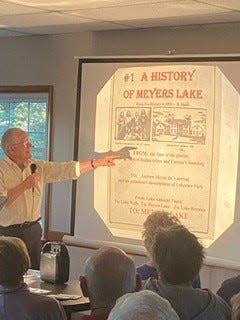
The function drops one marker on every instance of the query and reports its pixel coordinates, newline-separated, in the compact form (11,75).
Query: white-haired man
(21,183)
(109,274)
(142,305)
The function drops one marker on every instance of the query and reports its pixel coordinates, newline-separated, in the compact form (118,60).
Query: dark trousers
(31,234)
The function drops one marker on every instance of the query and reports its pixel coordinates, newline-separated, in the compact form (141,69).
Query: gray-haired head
(9,137)
(142,305)
(14,260)
(154,223)
(109,274)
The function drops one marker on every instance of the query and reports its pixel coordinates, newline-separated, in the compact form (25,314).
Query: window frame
(48,190)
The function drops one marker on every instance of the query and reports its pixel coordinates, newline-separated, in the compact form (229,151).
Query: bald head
(109,274)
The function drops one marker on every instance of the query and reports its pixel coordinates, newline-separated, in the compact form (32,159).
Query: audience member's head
(14,260)
(235,303)
(109,273)
(156,222)
(143,305)
(178,255)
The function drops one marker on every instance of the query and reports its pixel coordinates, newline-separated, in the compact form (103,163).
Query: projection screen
(179,117)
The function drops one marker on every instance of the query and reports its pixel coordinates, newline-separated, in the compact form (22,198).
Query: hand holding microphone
(33,179)
(33,168)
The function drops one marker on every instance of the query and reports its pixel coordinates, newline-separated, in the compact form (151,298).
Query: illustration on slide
(133,124)
(186,125)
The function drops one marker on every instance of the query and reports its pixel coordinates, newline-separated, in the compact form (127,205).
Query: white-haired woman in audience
(142,305)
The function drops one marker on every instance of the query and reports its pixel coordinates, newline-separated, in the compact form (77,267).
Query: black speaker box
(54,263)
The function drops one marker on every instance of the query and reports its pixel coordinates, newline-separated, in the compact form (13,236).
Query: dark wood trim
(49,90)
(169,58)
(48,199)
(26,89)
(76,144)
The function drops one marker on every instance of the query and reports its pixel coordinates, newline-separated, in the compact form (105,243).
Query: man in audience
(229,288)
(143,305)
(179,256)
(109,273)
(16,301)
(156,222)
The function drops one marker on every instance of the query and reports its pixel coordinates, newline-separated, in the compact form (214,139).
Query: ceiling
(35,17)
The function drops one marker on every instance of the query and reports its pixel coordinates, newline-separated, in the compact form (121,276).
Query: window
(30,108)
(28,111)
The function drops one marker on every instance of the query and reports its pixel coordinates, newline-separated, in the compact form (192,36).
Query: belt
(25,224)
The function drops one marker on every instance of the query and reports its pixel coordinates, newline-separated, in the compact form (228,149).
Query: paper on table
(38,290)
(62,296)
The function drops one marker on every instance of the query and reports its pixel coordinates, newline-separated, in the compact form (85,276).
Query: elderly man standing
(21,185)
(109,274)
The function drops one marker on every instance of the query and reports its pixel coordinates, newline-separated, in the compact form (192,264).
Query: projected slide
(172,115)
(180,117)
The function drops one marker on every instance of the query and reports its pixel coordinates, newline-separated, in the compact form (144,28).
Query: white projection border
(181,114)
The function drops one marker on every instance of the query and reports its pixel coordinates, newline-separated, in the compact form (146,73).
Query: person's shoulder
(231,281)
(48,305)
(228,288)
(5,162)
(229,284)
(44,300)
(216,300)
(216,308)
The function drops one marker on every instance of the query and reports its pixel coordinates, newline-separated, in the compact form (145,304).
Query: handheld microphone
(33,168)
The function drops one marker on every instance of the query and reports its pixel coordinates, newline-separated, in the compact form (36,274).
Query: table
(72,287)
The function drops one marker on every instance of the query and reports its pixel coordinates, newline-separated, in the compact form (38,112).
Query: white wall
(49,60)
